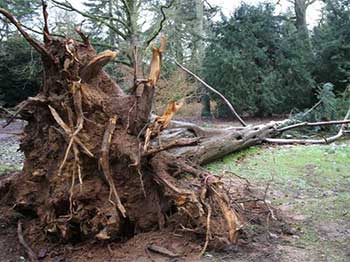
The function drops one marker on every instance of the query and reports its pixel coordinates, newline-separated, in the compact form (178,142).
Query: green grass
(313,181)
(8,168)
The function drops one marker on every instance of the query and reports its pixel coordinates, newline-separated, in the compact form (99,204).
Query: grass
(8,168)
(312,181)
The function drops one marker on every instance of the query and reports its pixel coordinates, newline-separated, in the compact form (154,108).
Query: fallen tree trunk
(215,143)
(89,171)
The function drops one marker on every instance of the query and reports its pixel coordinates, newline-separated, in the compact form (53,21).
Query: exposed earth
(309,184)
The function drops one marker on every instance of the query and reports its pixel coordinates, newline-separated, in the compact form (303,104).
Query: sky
(228,6)
(313,11)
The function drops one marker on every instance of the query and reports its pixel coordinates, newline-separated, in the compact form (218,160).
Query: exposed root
(207,235)
(32,256)
(141,182)
(65,157)
(104,162)
(68,131)
(71,192)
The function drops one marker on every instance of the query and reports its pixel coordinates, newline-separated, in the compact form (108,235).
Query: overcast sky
(313,12)
(228,6)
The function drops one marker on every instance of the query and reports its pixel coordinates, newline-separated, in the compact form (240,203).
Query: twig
(243,178)
(312,108)
(32,256)
(213,90)
(160,23)
(21,106)
(6,111)
(136,73)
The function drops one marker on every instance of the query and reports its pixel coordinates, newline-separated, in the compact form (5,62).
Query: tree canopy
(265,63)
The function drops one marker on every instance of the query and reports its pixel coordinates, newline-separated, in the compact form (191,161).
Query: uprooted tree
(97,166)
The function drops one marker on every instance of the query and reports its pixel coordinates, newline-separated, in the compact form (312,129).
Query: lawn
(311,184)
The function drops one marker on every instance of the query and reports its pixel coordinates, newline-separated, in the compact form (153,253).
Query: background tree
(332,45)
(24,10)
(20,69)
(259,62)
(19,64)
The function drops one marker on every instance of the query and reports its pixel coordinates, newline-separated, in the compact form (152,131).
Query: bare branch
(303,124)
(38,46)
(327,140)
(47,37)
(213,90)
(309,2)
(161,23)
(67,6)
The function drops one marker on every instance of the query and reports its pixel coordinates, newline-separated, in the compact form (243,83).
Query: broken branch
(234,112)
(328,140)
(324,123)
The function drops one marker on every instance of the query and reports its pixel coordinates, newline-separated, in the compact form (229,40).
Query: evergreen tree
(259,62)
(332,45)
(19,71)
(23,10)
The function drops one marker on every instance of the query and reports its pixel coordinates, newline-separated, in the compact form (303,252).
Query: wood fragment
(161,250)
(162,122)
(156,63)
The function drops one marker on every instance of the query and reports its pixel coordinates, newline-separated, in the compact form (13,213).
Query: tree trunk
(300,7)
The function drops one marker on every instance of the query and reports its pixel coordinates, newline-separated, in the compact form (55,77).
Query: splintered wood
(162,122)
(156,62)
